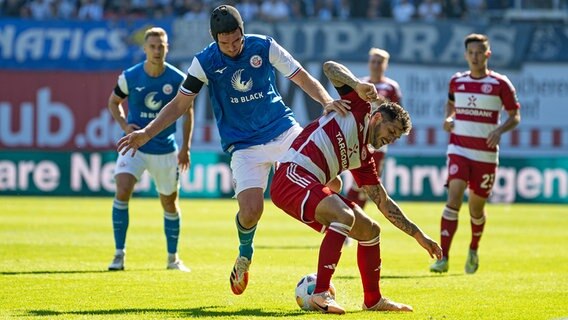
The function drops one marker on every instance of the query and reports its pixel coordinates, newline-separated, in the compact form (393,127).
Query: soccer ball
(305,288)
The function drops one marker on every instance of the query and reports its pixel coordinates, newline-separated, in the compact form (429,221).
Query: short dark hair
(225,19)
(476,37)
(392,111)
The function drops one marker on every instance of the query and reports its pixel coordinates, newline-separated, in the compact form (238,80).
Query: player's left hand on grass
(493,139)
(430,245)
(184,159)
(340,106)
(132,141)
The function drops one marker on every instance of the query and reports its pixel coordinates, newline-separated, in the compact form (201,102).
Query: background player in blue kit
(255,125)
(149,86)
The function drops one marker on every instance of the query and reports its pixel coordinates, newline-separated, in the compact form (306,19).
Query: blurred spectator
(455,9)
(344,9)
(12,8)
(379,9)
(65,9)
(403,11)
(195,10)
(274,10)
(297,9)
(90,10)
(325,10)
(41,9)
(475,9)
(429,10)
(248,9)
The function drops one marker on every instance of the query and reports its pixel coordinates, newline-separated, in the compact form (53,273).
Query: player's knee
(371,231)
(123,193)
(250,213)
(345,216)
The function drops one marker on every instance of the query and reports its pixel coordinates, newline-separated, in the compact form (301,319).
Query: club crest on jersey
(363,154)
(486,88)
(167,89)
(240,85)
(150,103)
(256,61)
(454,169)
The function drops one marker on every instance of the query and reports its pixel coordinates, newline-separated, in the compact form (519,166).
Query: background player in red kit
(326,147)
(475,100)
(388,89)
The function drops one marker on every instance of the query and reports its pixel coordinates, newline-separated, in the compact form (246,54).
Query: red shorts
(479,175)
(298,193)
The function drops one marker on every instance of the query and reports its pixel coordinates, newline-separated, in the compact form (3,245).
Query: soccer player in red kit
(328,146)
(388,89)
(475,100)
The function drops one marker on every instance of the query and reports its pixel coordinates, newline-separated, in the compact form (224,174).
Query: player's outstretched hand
(430,245)
(132,141)
(367,91)
(184,159)
(340,106)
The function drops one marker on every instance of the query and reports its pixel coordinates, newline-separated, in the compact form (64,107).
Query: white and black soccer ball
(305,288)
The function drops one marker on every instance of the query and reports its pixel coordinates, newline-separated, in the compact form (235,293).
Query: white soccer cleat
(174,263)
(325,303)
(117,263)
(386,304)
(240,275)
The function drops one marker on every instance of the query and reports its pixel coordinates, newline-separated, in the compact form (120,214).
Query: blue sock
(246,236)
(119,222)
(171,229)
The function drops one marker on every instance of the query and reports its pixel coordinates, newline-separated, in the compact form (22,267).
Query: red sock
(477,226)
(448,228)
(369,262)
(357,196)
(329,254)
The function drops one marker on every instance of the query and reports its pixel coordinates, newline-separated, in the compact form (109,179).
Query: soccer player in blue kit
(255,125)
(149,86)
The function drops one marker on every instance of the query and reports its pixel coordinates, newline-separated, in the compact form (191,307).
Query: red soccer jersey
(478,103)
(333,143)
(387,88)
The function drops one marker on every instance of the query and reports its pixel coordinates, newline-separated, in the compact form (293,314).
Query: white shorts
(162,167)
(251,166)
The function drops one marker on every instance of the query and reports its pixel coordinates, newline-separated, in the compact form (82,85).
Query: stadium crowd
(270,10)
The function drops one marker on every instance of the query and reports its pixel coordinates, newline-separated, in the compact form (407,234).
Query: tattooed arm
(339,76)
(394,214)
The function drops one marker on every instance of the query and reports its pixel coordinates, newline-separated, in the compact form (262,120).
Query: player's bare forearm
(391,210)
(188,127)
(312,87)
(450,109)
(339,75)
(512,121)
(117,111)
(169,114)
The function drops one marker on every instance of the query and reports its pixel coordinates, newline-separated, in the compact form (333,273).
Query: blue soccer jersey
(146,97)
(247,105)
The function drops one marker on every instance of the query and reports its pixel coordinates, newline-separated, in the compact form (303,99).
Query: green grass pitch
(54,253)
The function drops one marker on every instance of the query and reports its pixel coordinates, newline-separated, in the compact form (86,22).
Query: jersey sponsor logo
(486,88)
(139,89)
(167,89)
(342,150)
(471,101)
(151,103)
(474,112)
(256,61)
(221,70)
(240,85)
(250,97)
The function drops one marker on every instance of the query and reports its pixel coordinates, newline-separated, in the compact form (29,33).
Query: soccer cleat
(239,275)
(178,265)
(117,263)
(388,305)
(325,303)
(440,266)
(472,262)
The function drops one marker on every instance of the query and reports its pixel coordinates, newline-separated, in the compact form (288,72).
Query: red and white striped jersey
(333,143)
(388,88)
(478,104)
